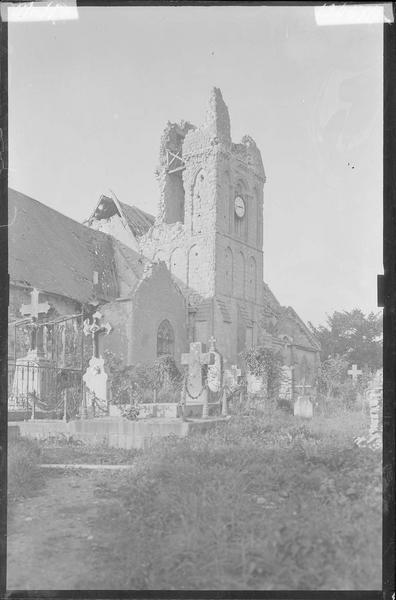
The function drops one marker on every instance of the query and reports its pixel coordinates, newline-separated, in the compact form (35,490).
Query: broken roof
(56,254)
(138,221)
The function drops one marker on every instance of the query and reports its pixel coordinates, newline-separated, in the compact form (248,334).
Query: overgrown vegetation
(156,381)
(24,476)
(266,364)
(353,335)
(267,502)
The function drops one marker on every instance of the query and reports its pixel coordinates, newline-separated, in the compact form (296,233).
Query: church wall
(119,340)
(157,298)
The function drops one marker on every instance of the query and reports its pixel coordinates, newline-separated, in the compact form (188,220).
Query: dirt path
(51,543)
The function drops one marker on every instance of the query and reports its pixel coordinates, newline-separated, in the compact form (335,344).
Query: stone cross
(34,310)
(354,372)
(195,359)
(94,329)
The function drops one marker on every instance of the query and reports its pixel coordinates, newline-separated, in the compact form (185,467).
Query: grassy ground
(267,502)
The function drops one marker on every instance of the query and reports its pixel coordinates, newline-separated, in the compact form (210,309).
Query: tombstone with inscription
(196,391)
(95,377)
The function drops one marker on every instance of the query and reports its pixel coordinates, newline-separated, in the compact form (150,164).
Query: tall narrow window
(165,339)
(228,271)
(197,202)
(251,284)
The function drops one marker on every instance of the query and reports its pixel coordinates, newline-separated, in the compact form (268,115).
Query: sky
(89,99)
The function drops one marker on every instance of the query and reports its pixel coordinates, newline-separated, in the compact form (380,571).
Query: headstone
(95,377)
(303,407)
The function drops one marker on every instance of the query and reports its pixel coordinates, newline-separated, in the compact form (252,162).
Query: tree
(353,336)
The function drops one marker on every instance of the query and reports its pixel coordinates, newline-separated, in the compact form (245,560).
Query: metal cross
(94,329)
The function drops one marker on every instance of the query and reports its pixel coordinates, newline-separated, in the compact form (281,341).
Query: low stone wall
(169,410)
(114,432)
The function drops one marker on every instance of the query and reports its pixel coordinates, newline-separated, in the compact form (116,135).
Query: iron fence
(43,391)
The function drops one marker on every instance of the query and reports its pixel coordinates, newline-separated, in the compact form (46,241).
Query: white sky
(89,98)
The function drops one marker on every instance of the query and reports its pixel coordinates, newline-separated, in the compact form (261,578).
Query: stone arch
(194,267)
(165,339)
(240,275)
(198,193)
(259,216)
(252,278)
(228,271)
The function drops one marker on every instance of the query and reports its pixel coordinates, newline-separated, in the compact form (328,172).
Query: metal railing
(38,391)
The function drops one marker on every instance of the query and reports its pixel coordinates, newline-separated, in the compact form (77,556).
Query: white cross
(354,373)
(36,308)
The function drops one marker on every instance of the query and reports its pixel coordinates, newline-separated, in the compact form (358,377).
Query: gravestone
(30,379)
(196,391)
(95,377)
(303,407)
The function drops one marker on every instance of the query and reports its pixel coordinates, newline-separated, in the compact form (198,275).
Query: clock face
(239,207)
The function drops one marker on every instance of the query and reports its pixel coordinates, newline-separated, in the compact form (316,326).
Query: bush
(24,476)
(135,384)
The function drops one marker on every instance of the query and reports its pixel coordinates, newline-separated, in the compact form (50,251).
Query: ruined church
(191,272)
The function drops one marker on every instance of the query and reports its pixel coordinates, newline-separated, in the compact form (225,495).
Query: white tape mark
(353,14)
(65,10)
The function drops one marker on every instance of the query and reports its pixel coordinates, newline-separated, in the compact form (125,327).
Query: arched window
(252,279)
(197,202)
(165,339)
(239,276)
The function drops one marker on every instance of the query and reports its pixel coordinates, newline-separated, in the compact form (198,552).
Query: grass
(268,502)
(24,476)
(60,450)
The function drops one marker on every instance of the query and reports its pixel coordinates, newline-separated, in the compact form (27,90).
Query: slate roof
(56,254)
(138,221)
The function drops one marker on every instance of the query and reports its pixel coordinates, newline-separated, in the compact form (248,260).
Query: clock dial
(239,207)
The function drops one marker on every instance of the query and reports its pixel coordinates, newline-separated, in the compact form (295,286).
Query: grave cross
(354,372)
(195,359)
(94,329)
(34,310)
